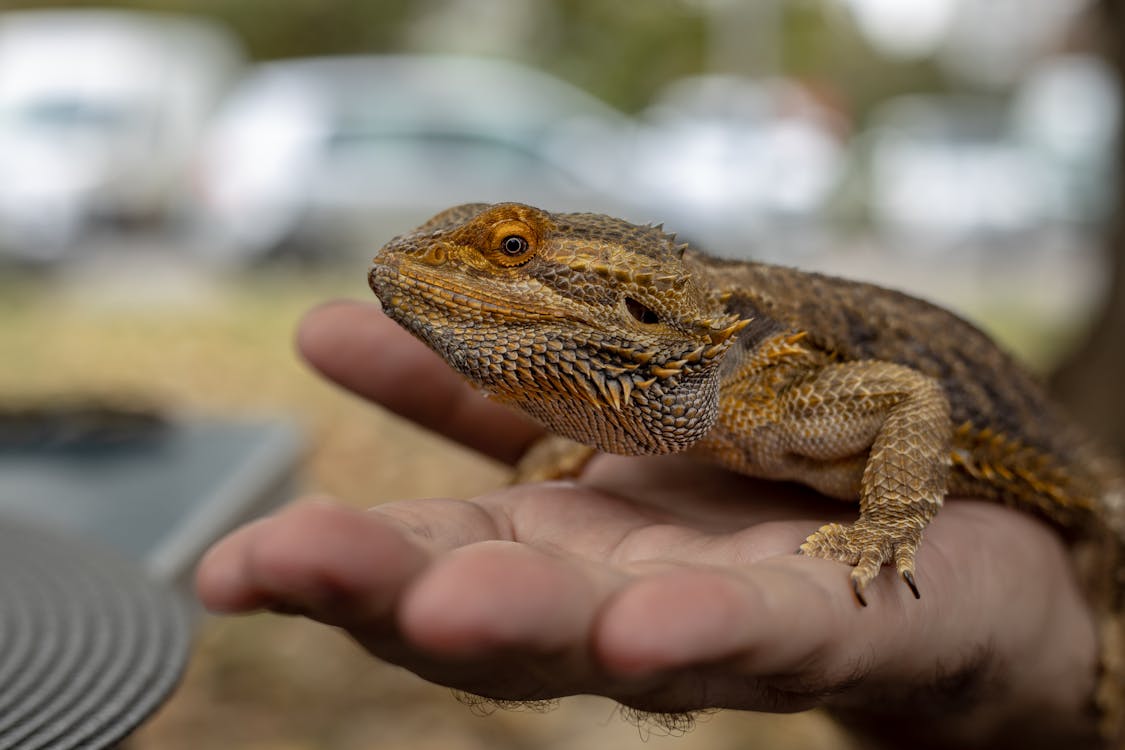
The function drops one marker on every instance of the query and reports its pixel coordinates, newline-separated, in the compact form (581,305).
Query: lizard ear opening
(641,313)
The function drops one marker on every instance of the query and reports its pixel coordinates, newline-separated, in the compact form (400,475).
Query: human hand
(666,584)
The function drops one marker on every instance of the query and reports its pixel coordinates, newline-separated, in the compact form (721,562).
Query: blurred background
(181,179)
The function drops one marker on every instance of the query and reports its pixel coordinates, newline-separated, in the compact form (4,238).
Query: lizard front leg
(905,476)
(869,429)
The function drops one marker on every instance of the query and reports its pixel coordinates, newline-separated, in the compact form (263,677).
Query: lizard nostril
(641,313)
(435,255)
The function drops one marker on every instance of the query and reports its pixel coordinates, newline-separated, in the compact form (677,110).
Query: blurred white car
(99,112)
(324,156)
(1068,111)
(945,172)
(731,161)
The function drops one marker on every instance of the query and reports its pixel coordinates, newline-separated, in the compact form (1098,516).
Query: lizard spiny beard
(582,393)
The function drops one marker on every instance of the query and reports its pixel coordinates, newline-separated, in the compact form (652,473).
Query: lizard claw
(908,576)
(867,548)
(858,591)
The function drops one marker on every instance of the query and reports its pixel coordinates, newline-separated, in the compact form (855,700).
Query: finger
(502,597)
(500,619)
(795,616)
(357,346)
(332,563)
(685,617)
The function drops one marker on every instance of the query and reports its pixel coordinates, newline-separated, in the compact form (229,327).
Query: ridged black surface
(88,646)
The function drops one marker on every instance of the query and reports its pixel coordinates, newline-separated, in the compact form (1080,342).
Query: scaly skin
(615,337)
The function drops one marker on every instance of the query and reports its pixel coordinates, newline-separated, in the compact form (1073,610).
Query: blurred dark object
(89,645)
(158,491)
(78,428)
(1090,382)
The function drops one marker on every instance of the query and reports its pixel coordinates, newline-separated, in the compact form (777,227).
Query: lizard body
(615,336)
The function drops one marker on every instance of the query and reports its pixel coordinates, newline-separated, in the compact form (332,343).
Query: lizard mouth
(393,281)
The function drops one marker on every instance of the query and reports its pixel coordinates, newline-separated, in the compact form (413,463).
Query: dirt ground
(195,344)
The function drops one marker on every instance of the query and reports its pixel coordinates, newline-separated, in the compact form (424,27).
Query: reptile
(623,340)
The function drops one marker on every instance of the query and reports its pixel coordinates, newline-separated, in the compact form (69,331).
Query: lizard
(621,339)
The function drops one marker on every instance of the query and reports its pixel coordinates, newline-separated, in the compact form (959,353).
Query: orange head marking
(507,234)
(595,326)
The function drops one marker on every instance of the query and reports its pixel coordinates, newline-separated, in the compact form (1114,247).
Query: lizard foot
(867,547)
(552,457)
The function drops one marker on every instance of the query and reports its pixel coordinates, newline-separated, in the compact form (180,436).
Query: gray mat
(89,646)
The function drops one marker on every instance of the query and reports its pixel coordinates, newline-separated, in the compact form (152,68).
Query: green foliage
(622,52)
(276,28)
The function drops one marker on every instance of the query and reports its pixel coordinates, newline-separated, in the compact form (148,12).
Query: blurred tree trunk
(1092,381)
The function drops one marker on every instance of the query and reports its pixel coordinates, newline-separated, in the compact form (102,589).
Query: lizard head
(594,326)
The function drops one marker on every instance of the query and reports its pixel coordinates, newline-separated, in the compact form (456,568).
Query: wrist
(1037,692)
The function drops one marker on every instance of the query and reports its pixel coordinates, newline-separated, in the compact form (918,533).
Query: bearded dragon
(617,337)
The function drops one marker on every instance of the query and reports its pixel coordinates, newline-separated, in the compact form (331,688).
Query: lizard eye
(641,313)
(513,245)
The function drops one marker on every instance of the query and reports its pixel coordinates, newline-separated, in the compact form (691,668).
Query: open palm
(662,582)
